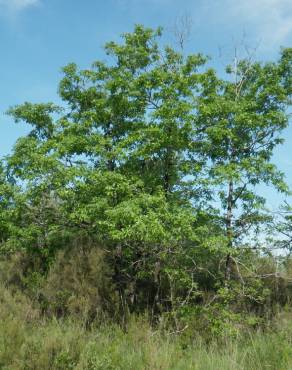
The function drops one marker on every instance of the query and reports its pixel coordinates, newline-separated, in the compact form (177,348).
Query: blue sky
(38,37)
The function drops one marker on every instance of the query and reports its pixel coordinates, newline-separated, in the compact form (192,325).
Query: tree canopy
(154,158)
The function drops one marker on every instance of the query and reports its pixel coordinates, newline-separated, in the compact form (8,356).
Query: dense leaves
(154,159)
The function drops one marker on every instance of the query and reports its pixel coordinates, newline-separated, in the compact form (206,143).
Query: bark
(229,229)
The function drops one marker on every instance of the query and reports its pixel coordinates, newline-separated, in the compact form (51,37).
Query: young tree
(240,121)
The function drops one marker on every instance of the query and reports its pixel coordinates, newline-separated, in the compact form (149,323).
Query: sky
(38,37)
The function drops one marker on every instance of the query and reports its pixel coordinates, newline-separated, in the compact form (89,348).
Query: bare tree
(182,30)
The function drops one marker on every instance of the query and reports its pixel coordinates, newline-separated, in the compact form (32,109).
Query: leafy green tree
(240,121)
(133,159)
(6,196)
(118,161)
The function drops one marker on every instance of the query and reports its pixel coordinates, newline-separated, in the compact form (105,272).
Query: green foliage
(28,342)
(138,194)
(79,284)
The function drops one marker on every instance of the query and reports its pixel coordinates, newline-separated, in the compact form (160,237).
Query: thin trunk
(168,172)
(229,230)
(166,181)
(110,162)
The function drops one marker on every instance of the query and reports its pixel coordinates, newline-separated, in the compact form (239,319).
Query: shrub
(79,284)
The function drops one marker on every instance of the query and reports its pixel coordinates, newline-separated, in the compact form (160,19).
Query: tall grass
(28,341)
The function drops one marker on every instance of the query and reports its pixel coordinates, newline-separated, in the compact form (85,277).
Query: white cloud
(268,21)
(271,20)
(15,6)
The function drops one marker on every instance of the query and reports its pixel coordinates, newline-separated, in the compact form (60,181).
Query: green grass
(29,342)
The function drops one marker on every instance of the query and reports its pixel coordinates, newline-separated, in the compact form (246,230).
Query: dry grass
(29,342)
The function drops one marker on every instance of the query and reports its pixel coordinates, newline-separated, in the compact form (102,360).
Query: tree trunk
(168,171)
(229,230)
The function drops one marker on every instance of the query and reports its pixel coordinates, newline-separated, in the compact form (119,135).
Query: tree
(118,162)
(131,160)
(6,199)
(240,121)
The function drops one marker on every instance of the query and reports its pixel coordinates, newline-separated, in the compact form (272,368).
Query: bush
(79,284)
